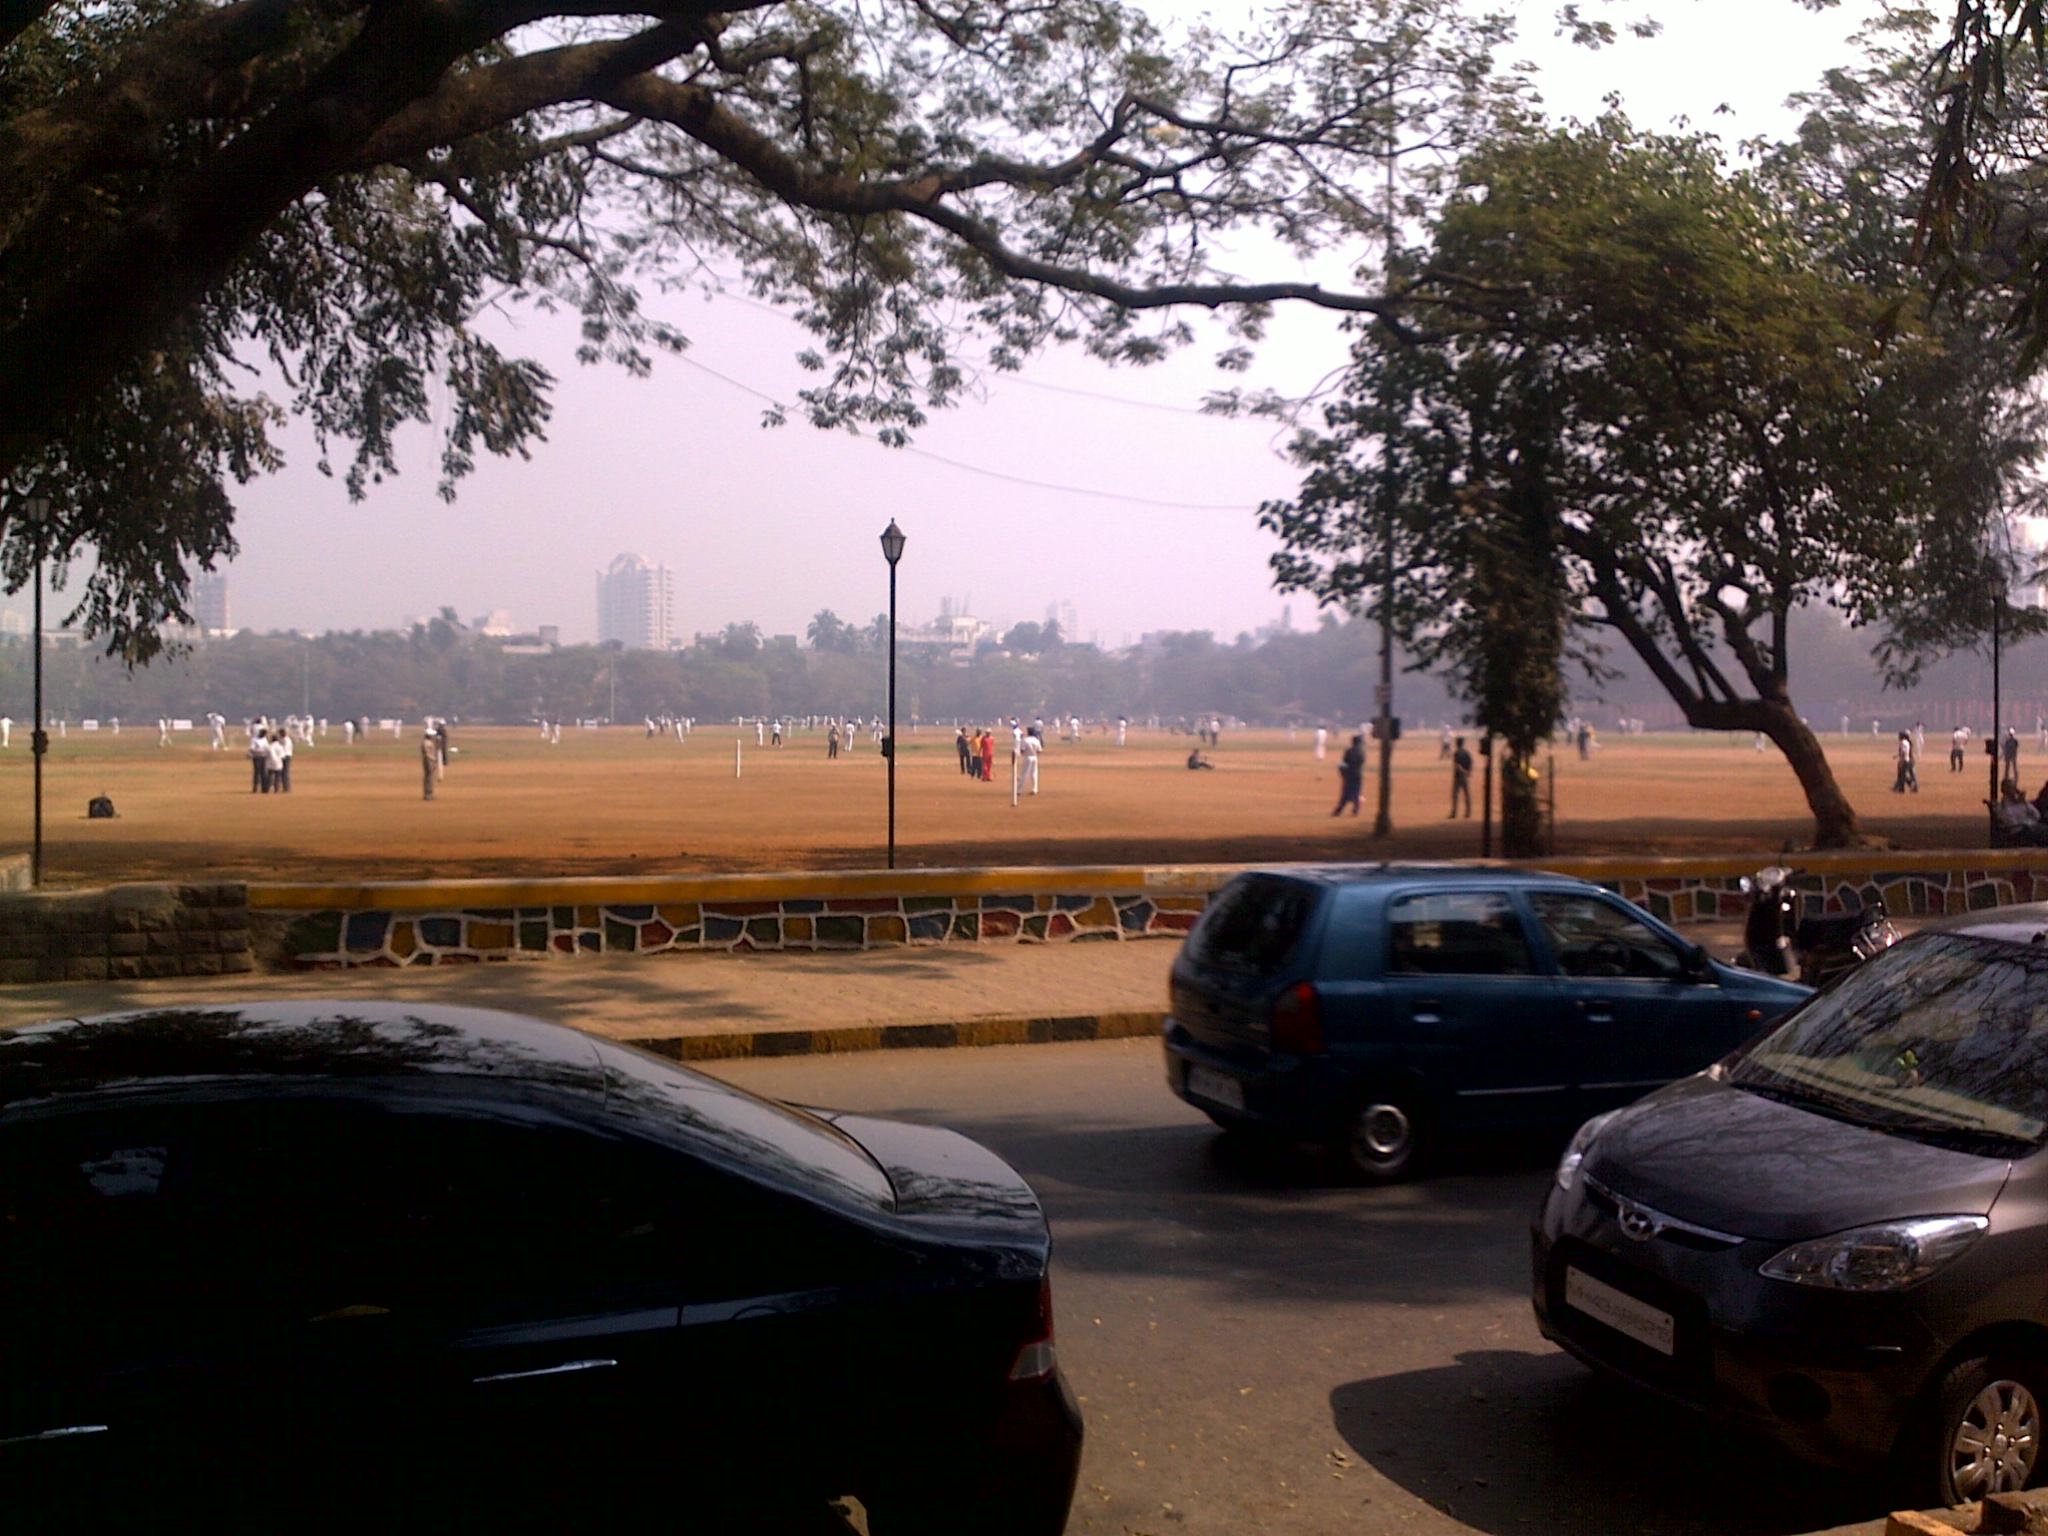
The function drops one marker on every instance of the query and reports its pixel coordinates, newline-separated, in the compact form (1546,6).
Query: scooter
(1777,939)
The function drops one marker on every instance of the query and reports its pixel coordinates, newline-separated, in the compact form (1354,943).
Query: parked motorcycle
(1780,940)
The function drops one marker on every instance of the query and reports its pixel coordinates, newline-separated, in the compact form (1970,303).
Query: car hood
(1724,1158)
(1773,994)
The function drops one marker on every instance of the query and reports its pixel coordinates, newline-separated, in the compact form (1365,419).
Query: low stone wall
(125,932)
(14,871)
(464,922)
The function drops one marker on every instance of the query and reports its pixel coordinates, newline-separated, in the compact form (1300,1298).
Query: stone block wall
(125,932)
(458,922)
(1686,898)
(456,935)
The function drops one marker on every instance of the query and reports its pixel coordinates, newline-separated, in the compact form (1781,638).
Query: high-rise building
(1062,614)
(636,604)
(210,602)
(2030,550)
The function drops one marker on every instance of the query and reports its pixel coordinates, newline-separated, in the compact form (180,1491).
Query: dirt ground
(615,802)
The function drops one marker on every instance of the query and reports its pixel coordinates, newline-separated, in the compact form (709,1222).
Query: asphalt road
(1261,1348)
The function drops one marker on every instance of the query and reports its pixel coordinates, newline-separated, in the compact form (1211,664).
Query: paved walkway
(729,1005)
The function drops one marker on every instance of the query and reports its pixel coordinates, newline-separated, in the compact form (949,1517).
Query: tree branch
(698,113)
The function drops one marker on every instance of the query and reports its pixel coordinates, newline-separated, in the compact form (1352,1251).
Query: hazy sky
(773,525)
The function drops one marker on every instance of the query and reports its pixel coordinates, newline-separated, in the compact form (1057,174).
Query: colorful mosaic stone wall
(448,924)
(324,940)
(1905,893)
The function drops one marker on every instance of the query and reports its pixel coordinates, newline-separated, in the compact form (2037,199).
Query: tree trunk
(1521,807)
(1834,819)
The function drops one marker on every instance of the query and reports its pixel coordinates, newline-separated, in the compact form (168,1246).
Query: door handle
(1598,1011)
(566,1368)
(1427,1012)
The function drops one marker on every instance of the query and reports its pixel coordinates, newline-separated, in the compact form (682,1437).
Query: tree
(740,642)
(1671,351)
(828,632)
(1025,639)
(338,189)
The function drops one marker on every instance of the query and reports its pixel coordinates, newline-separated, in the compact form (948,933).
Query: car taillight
(1036,1359)
(1298,1021)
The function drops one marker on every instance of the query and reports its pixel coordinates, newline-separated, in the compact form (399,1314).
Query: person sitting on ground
(2017,820)
(1196,760)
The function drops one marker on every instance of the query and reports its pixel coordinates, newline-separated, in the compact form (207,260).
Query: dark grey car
(1839,1234)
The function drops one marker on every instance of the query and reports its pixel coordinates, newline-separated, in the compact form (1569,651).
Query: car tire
(1386,1138)
(1983,1431)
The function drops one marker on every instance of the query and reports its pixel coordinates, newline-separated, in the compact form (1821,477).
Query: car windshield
(739,1128)
(1944,1038)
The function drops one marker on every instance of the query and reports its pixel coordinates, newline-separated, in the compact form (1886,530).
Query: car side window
(1594,938)
(320,1212)
(1456,933)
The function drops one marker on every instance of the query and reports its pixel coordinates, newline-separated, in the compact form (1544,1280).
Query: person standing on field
(988,757)
(1028,748)
(259,762)
(1461,780)
(430,762)
(1350,776)
(1322,741)
(1957,740)
(281,762)
(832,741)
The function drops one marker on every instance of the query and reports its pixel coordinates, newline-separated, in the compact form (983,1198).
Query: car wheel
(1986,1429)
(1384,1140)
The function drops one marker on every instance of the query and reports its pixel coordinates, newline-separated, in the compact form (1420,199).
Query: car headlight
(1886,1257)
(1575,1154)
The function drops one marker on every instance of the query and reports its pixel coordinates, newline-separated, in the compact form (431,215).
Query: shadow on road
(1268,1221)
(1506,1441)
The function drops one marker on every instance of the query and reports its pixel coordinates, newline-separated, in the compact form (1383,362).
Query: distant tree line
(1326,673)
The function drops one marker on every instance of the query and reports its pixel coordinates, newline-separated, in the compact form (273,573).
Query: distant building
(497,623)
(549,634)
(2030,545)
(956,636)
(12,623)
(1062,613)
(636,604)
(210,615)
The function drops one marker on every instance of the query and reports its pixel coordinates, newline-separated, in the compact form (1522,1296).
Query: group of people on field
(272,745)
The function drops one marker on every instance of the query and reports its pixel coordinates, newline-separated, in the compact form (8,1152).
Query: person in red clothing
(988,757)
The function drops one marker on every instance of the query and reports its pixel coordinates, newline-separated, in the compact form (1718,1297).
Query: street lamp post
(1998,595)
(892,551)
(35,510)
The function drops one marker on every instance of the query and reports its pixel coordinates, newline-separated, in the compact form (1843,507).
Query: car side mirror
(1698,964)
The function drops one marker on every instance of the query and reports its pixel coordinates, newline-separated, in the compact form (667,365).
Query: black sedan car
(1839,1234)
(419,1264)
(1386,1009)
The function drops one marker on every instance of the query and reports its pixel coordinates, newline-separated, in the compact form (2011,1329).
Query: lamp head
(893,541)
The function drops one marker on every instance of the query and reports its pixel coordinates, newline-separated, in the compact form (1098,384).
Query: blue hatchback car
(1382,1010)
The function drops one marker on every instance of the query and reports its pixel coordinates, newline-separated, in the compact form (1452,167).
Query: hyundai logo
(1639,1225)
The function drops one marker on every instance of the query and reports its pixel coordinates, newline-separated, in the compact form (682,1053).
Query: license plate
(1217,1087)
(1620,1311)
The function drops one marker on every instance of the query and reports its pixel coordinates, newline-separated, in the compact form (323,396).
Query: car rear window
(1253,925)
(1944,1037)
(742,1129)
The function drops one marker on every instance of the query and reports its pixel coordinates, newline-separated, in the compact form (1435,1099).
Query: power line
(997,474)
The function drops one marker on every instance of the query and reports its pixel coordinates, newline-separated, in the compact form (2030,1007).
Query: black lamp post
(35,511)
(892,551)
(1998,597)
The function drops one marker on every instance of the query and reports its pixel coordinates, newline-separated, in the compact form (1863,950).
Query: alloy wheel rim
(1384,1131)
(1997,1443)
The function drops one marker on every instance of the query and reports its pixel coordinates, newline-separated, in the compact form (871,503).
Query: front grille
(1666,1229)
